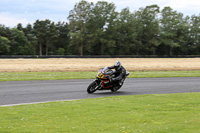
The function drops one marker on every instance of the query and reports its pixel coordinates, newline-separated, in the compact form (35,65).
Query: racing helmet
(117,65)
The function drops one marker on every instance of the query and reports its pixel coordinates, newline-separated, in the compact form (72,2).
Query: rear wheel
(114,89)
(91,88)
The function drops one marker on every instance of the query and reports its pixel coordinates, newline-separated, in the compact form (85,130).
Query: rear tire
(114,89)
(91,87)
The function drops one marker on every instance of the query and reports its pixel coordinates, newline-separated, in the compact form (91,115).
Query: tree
(170,22)
(183,36)
(4,31)
(40,29)
(63,40)
(78,18)
(31,36)
(19,43)
(4,40)
(194,44)
(138,41)
(147,30)
(151,28)
(4,46)
(51,37)
(46,33)
(125,33)
(101,27)
(20,27)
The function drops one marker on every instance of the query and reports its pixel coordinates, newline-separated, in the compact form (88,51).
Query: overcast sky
(13,12)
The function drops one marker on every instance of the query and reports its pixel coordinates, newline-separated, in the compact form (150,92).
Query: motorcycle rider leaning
(120,73)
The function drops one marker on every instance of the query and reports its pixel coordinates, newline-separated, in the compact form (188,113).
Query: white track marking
(8,105)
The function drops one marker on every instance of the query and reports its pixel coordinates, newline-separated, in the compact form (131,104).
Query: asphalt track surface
(24,92)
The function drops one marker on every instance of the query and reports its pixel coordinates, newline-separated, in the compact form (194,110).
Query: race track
(22,92)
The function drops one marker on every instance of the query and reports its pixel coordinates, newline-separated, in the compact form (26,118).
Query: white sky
(13,12)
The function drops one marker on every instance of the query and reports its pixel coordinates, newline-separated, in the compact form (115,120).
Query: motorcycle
(103,82)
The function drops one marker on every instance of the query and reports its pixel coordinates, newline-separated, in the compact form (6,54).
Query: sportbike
(103,82)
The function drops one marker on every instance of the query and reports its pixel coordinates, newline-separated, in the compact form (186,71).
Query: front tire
(91,88)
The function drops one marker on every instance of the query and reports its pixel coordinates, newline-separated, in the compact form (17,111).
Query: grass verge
(21,76)
(166,113)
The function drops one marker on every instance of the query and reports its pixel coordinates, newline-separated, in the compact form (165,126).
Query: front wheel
(92,87)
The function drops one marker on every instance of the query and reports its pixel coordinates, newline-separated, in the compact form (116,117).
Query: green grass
(159,113)
(21,76)
(161,74)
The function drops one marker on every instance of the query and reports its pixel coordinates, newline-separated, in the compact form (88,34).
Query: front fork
(99,85)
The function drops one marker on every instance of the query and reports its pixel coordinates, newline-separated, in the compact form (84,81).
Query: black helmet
(117,65)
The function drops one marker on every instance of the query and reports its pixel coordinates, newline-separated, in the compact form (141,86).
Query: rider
(120,73)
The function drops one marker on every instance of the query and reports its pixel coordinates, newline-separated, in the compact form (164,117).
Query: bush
(60,51)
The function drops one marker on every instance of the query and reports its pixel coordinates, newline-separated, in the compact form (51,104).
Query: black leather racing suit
(120,74)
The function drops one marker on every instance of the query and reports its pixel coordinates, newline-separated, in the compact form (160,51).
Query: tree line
(99,29)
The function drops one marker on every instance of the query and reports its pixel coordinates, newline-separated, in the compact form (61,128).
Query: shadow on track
(109,93)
